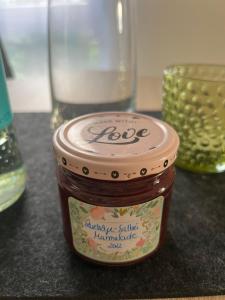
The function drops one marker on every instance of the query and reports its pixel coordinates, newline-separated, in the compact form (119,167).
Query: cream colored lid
(115,145)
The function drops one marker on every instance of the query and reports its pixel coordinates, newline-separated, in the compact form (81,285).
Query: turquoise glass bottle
(12,171)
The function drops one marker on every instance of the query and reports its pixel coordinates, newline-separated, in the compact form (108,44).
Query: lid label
(116,234)
(5,112)
(112,135)
(104,134)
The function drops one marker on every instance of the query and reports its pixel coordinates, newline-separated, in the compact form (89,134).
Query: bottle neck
(5,111)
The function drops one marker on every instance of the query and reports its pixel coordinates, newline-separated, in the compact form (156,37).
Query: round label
(116,135)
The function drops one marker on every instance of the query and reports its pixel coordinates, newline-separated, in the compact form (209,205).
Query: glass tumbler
(194,104)
(91,57)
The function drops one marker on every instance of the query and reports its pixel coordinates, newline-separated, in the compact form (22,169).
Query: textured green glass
(194,104)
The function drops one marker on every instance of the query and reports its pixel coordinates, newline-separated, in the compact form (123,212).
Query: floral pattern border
(149,214)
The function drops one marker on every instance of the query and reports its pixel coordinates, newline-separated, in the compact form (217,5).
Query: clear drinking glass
(91,57)
(194,104)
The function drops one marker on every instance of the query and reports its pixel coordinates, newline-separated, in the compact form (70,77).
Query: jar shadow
(10,218)
(11,221)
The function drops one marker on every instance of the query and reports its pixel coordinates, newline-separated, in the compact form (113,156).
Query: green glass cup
(194,104)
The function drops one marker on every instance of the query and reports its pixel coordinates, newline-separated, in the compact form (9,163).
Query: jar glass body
(110,194)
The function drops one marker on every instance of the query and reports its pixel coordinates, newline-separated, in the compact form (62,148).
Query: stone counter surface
(35,260)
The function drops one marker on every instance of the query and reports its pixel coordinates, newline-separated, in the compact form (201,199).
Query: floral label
(116,234)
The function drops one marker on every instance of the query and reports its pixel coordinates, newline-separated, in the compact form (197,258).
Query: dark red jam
(115,194)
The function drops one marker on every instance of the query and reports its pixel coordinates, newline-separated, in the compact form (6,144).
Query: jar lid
(115,145)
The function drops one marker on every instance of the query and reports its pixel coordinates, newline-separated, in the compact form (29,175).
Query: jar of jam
(115,175)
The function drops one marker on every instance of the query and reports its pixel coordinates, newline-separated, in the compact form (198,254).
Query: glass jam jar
(115,175)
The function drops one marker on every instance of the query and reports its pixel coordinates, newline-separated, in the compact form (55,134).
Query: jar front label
(116,234)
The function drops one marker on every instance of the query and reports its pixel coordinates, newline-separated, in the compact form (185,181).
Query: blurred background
(168,32)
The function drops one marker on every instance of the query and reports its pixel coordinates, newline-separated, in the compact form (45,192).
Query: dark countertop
(36,261)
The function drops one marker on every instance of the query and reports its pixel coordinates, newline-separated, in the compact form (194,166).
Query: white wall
(174,31)
(169,31)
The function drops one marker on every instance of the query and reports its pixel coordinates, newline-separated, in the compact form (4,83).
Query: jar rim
(200,72)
